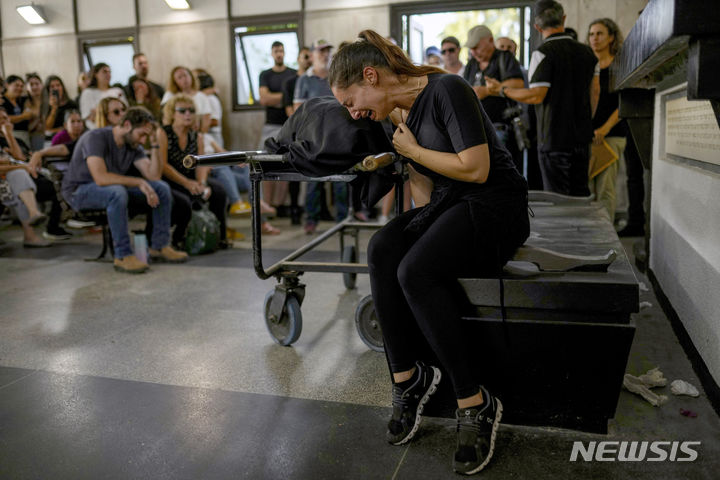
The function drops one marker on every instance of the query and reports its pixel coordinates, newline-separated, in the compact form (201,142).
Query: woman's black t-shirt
(448,117)
(607,104)
(17,109)
(60,114)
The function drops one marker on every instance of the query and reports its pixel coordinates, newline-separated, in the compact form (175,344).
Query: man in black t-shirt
(565,87)
(489,62)
(271,82)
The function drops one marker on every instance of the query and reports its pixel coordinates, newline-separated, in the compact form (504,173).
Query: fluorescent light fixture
(178,4)
(32,14)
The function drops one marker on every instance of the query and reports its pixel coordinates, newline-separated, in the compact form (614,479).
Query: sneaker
(77,223)
(408,404)
(233,234)
(167,254)
(476,431)
(240,208)
(130,264)
(59,234)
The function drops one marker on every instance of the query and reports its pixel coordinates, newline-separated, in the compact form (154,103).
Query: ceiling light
(32,14)
(178,4)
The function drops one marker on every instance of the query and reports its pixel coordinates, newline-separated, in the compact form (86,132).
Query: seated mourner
(97,179)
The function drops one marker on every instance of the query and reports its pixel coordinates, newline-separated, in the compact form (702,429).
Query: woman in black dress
(176,139)
(470,218)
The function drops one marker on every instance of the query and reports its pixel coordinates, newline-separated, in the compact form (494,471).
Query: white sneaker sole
(418,418)
(496,424)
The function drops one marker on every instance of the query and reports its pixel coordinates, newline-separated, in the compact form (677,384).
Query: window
(252,44)
(115,49)
(419,26)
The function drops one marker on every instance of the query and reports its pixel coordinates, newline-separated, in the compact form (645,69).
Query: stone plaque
(691,130)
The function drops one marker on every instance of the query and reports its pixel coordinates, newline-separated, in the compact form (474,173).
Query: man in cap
(450,50)
(432,56)
(564,87)
(489,62)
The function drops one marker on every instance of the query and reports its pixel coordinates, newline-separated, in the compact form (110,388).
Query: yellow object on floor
(240,208)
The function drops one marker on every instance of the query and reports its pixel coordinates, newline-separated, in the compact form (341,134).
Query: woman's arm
(602,131)
(13,146)
(470,165)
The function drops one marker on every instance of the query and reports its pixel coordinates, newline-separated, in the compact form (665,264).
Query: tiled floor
(172,375)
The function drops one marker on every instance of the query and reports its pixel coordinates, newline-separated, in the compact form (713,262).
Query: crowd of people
(40,120)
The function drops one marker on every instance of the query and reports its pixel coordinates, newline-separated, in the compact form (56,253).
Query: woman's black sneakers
(476,431)
(408,403)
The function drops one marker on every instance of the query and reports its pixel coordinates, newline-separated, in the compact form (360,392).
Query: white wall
(244,8)
(58,13)
(158,13)
(684,253)
(94,15)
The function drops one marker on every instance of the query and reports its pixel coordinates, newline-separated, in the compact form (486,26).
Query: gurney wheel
(367,324)
(285,330)
(349,255)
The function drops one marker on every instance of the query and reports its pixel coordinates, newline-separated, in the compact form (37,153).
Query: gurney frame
(282,305)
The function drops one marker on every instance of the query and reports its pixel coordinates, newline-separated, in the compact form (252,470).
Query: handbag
(203,231)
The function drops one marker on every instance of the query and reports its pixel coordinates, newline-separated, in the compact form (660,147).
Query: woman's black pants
(414,282)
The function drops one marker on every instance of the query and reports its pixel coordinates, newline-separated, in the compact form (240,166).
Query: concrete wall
(200,37)
(684,253)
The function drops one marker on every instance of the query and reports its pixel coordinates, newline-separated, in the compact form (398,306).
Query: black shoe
(476,431)
(57,234)
(408,404)
(295,215)
(632,231)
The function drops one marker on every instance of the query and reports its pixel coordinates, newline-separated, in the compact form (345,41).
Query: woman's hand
(53,102)
(404,141)
(194,187)
(599,136)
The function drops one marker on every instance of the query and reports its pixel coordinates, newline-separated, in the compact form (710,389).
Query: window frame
(397,11)
(257,21)
(103,38)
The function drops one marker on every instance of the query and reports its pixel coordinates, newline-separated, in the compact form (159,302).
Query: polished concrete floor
(172,375)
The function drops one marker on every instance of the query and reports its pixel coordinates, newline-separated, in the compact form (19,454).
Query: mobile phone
(55,93)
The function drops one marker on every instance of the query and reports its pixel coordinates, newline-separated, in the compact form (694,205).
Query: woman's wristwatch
(502,91)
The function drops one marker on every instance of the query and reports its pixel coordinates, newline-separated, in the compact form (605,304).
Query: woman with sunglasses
(177,139)
(182,81)
(471,217)
(109,112)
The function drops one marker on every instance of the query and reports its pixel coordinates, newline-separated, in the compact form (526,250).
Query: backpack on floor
(203,232)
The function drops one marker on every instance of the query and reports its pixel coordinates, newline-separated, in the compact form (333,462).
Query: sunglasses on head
(448,50)
(185,110)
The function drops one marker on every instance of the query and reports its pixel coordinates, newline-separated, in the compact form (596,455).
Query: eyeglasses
(117,111)
(185,110)
(448,50)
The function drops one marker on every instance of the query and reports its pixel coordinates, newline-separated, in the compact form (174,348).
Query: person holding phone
(58,104)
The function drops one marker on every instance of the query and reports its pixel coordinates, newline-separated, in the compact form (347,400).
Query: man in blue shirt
(97,178)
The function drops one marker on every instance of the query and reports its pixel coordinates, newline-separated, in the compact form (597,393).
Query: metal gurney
(282,306)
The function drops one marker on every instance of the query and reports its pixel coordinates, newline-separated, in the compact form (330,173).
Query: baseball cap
(432,50)
(477,33)
(321,43)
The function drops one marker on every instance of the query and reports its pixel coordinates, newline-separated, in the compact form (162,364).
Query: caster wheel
(286,329)
(349,255)
(367,324)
